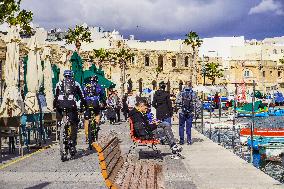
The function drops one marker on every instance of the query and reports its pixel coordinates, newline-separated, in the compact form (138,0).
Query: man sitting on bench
(145,130)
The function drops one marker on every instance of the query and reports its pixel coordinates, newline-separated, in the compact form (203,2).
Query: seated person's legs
(164,131)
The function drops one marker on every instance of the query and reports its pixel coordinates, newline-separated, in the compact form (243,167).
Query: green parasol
(55,78)
(104,82)
(77,67)
(25,75)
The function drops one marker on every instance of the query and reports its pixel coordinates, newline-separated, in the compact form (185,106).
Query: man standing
(117,106)
(185,103)
(131,101)
(163,104)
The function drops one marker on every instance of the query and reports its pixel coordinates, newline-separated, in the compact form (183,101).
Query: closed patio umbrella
(34,77)
(47,79)
(12,104)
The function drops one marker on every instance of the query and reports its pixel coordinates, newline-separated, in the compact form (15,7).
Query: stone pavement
(207,165)
(212,166)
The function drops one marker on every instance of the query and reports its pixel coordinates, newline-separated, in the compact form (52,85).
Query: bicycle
(93,128)
(65,141)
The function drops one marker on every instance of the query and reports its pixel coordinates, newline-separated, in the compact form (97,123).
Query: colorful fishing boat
(259,110)
(261,141)
(261,132)
(273,151)
(275,112)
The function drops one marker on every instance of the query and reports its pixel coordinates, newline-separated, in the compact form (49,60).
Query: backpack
(187,102)
(68,87)
(92,96)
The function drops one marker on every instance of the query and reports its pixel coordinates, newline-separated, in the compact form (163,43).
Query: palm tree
(213,71)
(193,40)
(123,56)
(77,35)
(102,55)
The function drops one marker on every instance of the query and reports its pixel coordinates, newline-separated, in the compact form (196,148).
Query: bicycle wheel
(62,140)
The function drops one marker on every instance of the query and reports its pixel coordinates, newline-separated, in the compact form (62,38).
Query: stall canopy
(104,82)
(210,89)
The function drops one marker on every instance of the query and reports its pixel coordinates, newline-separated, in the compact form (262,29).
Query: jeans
(168,120)
(185,120)
(164,132)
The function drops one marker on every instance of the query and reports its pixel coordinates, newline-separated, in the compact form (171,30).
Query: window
(174,61)
(133,59)
(270,72)
(274,51)
(147,60)
(279,73)
(247,73)
(186,61)
(161,62)
(282,50)
(263,74)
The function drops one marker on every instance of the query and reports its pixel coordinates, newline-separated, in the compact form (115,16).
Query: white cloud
(268,6)
(152,16)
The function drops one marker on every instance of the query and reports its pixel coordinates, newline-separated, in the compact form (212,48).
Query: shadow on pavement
(196,140)
(152,155)
(83,153)
(39,186)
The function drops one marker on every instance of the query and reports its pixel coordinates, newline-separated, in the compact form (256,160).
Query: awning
(104,82)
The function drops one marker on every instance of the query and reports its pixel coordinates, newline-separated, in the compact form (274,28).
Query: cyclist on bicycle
(66,92)
(95,99)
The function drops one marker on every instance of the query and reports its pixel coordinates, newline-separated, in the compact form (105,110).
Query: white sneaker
(175,149)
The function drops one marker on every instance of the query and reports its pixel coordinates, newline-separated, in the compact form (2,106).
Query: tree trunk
(78,45)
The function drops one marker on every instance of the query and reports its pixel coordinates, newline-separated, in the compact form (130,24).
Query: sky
(165,19)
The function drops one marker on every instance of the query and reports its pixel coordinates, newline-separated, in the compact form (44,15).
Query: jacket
(163,104)
(142,127)
(196,104)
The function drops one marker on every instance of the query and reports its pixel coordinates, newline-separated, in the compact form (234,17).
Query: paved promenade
(207,165)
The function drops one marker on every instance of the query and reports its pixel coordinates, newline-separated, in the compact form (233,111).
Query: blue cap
(68,73)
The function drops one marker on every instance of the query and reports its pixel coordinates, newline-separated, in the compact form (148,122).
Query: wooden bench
(11,127)
(119,173)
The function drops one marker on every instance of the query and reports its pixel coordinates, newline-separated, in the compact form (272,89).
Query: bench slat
(108,161)
(160,177)
(108,150)
(103,142)
(128,176)
(114,172)
(115,153)
(151,176)
(109,182)
(113,163)
(121,174)
(135,179)
(143,180)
